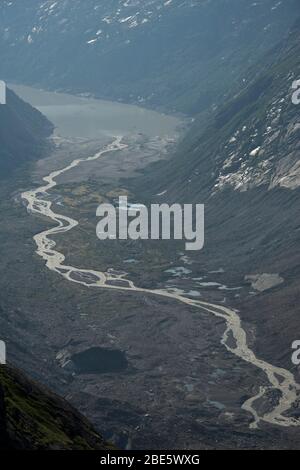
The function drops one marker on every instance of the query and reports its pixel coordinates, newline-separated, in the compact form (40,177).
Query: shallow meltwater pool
(100,361)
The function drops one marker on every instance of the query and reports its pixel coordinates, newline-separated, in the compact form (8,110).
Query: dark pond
(100,361)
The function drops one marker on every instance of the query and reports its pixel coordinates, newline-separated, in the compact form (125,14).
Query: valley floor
(179,387)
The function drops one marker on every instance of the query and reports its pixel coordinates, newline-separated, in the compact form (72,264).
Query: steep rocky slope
(33,418)
(253,140)
(181,54)
(23,133)
(244,165)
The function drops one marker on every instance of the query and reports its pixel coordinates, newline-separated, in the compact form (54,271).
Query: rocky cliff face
(23,133)
(33,418)
(252,140)
(180,54)
(264,147)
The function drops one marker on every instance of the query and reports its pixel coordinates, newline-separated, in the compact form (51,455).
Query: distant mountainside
(250,141)
(179,54)
(32,418)
(23,133)
(243,164)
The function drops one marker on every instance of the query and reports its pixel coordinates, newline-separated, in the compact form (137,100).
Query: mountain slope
(250,141)
(23,133)
(244,165)
(180,54)
(32,418)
